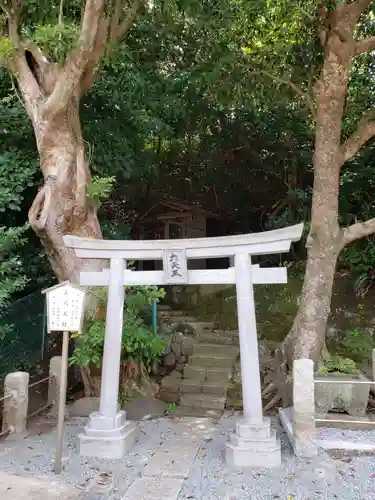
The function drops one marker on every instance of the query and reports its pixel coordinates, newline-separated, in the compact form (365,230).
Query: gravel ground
(326,477)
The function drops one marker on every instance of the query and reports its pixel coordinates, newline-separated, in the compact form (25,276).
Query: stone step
(211,361)
(191,386)
(205,401)
(222,338)
(222,374)
(200,374)
(188,411)
(195,373)
(213,349)
(214,388)
(180,319)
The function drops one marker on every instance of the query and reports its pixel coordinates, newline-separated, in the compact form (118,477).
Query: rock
(176,349)
(175,374)
(171,383)
(180,359)
(169,359)
(144,409)
(180,367)
(187,347)
(169,396)
(178,338)
(84,407)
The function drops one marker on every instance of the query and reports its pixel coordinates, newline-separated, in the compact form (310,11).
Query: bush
(358,344)
(338,364)
(140,348)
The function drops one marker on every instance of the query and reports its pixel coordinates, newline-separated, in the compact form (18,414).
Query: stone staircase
(202,388)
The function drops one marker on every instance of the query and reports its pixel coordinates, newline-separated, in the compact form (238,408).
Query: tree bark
(61,206)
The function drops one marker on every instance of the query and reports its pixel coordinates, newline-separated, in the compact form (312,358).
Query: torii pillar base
(253,445)
(110,438)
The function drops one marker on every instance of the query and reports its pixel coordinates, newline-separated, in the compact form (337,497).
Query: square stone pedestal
(253,445)
(106,437)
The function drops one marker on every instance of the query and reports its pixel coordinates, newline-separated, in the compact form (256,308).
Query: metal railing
(44,407)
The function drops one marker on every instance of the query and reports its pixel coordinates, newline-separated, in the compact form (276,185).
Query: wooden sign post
(65,311)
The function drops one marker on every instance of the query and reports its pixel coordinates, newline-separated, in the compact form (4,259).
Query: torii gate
(108,434)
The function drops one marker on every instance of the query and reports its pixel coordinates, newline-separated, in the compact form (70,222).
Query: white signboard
(175,267)
(65,308)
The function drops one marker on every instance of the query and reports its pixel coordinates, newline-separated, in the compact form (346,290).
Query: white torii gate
(108,434)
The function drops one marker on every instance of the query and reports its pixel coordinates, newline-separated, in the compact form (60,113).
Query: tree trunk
(307,336)
(61,206)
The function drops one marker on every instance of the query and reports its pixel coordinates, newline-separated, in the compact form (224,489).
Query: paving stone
(215,388)
(194,373)
(203,401)
(173,459)
(154,488)
(16,487)
(191,386)
(208,361)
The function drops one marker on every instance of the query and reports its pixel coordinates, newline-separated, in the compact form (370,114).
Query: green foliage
(56,40)
(338,364)
(99,189)
(11,280)
(140,344)
(6,48)
(359,343)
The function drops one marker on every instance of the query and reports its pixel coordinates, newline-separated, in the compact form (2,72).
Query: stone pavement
(14,487)
(175,459)
(164,475)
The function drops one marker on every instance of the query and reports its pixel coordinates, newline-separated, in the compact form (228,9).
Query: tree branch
(353,143)
(124,27)
(365,45)
(358,230)
(90,71)
(78,59)
(296,88)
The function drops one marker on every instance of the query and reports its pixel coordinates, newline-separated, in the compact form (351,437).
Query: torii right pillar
(253,444)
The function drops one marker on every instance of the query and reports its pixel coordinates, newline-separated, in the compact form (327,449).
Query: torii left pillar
(108,434)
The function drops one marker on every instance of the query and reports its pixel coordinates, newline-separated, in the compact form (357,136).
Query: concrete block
(304,408)
(106,446)
(258,430)
(16,404)
(242,457)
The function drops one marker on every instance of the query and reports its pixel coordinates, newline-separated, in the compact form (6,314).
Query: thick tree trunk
(307,336)
(61,207)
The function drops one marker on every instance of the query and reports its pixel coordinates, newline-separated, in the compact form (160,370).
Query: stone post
(108,434)
(253,444)
(304,432)
(54,383)
(16,385)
